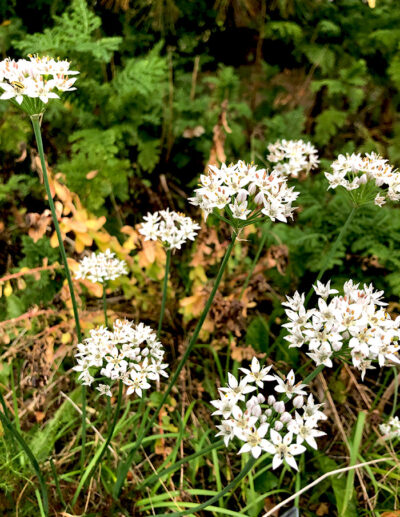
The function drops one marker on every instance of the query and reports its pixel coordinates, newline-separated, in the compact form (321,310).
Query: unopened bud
(298,402)
(278,425)
(285,417)
(271,400)
(279,406)
(268,412)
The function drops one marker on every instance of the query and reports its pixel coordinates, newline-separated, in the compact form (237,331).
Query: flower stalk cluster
(354,326)
(170,228)
(101,267)
(30,83)
(130,353)
(278,422)
(367,178)
(245,194)
(293,157)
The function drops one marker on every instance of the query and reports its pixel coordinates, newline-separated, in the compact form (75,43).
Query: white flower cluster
(353,171)
(293,157)
(244,192)
(172,229)
(354,326)
(391,429)
(267,423)
(131,353)
(38,78)
(101,267)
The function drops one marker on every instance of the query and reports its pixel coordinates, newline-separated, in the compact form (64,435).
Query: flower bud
(278,425)
(242,195)
(279,406)
(298,402)
(271,400)
(285,417)
(268,412)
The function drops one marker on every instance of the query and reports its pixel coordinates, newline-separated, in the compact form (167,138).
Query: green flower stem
(157,476)
(164,292)
(254,263)
(36,128)
(333,249)
(123,471)
(43,488)
(105,305)
(98,457)
(246,469)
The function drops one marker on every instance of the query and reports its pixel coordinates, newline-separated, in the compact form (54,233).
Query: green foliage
(73,33)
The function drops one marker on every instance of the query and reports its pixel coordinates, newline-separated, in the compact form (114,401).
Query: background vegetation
(166,87)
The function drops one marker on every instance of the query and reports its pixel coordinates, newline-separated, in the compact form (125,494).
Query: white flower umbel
(258,410)
(30,83)
(391,429)
(368,178)
(244,193)
(354,326)
(101,267)
(172,229)
(130,353)
(293,157)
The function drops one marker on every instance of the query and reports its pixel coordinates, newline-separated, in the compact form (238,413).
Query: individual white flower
(288,386)
(104,389)
(172,229)
(283,449)
(31,83)
(224,406)
(255,441)
(236,390)
(324,290)
(313,410)
(227,430)
(257,374)
(101,267)
(239,210)
(305,430)
(131,353)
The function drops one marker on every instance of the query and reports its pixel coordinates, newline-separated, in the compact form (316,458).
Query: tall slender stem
(254,263)
(246,469)
(105,305)
(333,249)
(36,128)
(123,471)
(164,292)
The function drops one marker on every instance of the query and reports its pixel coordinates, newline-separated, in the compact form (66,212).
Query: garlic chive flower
(101,267)
(258,411)
(368,178)
(30,83)
(130,353)
(293,157)
(244,192)
(172,229)
(354,326)
(391,429)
